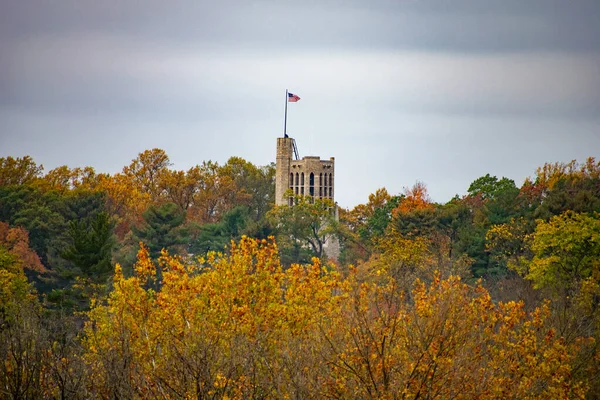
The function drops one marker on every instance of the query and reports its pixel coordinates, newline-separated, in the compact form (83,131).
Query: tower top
(309,176)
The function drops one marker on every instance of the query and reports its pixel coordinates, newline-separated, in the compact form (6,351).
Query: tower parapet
(309,176)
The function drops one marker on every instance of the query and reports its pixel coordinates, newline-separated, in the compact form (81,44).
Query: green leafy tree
(490,201)
(566,250)
(376,223)
(361,228)
(566,266)
(306,224)
(453,217)
(499,198)
(491,188)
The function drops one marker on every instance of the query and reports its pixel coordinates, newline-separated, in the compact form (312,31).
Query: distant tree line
(155,282)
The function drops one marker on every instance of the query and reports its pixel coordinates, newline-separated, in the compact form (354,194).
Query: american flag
(292,98)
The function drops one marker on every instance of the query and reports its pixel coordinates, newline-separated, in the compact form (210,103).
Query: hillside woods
(158,283)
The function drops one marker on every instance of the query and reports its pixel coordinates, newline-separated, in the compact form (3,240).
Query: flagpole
(285,119)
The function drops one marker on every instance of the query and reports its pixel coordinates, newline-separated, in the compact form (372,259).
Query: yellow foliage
(239,326)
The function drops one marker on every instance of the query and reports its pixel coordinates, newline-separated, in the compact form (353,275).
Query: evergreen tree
(91,245)
(214,237)
(162,229)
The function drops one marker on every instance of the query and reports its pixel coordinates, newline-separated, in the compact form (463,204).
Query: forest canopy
(160,283)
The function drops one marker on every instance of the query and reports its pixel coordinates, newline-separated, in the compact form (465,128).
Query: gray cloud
(440,91)
(459,25)
(91,74)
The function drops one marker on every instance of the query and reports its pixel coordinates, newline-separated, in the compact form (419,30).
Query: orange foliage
(551,173)
(416,198)
(123,197)
(16,241)
(362,212)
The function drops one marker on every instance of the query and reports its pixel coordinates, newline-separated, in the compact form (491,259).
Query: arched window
(302,179)
(296,180)
(311,182)
(325,180)
(321,184)
(291,198)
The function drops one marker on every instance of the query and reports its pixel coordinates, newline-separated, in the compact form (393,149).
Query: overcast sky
(397,91)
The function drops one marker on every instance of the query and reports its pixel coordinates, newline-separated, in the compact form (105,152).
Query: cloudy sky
(398,91)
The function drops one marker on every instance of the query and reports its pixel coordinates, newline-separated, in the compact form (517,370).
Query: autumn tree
(566,253)
(214,195)
(414,215)
(415,198)
(146,171)
(39,354)
(255,186)
(434,229)
(64,179)
(307,223)
(181,187)
(234,328)
(16,242)
(19,171)
(558,187)
(22,340)
(239,326)
(559,253)
(509,249)
(361,227)
(452,342)
(248,322)
(125,200)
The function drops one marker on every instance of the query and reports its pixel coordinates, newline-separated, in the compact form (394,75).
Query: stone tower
(309,176)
